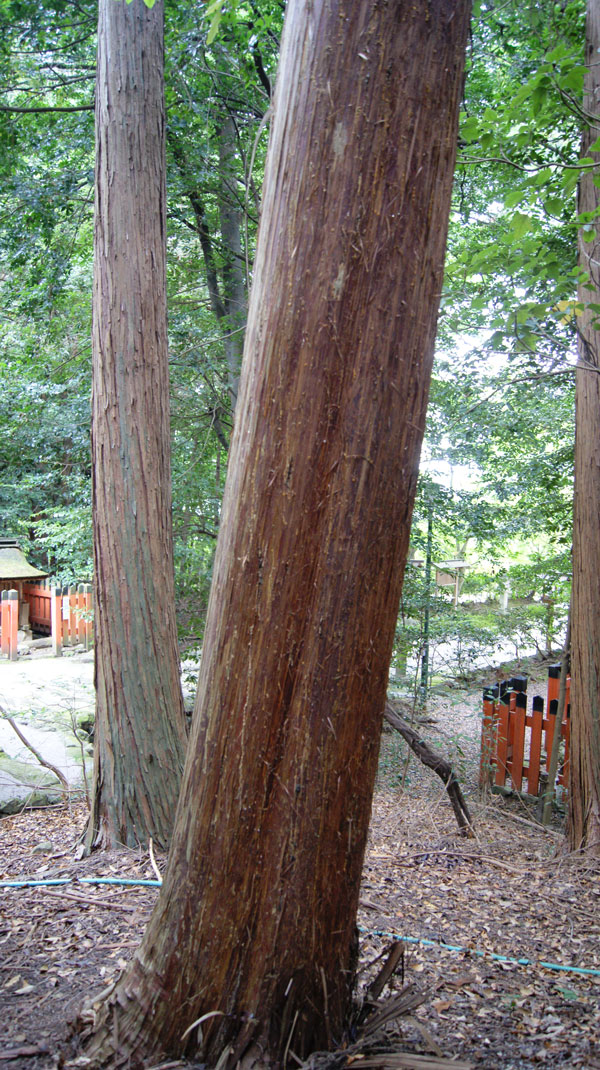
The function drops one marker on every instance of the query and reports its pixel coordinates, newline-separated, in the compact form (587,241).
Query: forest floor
(466,908)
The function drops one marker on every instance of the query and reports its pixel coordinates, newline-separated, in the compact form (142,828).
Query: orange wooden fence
(9,623)
(516,743)
(64,613)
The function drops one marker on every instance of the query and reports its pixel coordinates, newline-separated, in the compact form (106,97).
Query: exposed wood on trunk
(140,726)
(438,764)
(584,790)
(254,937)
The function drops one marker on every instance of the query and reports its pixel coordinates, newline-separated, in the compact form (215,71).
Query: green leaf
(554,206)
(573,80)
(515,197)
(214,29)
(469,130)
(520,224)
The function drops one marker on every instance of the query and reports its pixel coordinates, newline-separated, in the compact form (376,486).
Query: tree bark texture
(584,806)
(254,930)
(140,724)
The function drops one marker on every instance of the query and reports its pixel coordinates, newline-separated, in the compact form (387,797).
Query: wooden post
(553,683)
(72,618)
(488,748)
(64,616)
(56,620)
(89,609)
(551,727)
(9,622)
(4,623)
(518,719)
(535,745)
(502,740)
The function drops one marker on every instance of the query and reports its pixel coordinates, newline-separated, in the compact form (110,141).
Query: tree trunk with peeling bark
(140,722)
(250,952)
(584,786)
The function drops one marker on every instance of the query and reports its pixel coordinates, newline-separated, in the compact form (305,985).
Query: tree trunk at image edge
(584,787)
(140,725)
(255,927)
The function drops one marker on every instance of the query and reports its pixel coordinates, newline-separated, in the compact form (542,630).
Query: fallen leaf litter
(509,892)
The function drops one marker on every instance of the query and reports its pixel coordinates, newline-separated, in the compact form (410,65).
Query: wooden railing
(64,613)
(516,743)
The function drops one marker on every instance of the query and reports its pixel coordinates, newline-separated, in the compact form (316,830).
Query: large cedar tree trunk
(140,724)
(255,923)
(584,808)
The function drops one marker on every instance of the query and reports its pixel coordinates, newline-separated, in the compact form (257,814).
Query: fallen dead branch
(47,765)
(437,763)
(88,900)
(407,1061)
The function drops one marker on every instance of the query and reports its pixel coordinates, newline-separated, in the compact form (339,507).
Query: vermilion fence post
(553,683)
(551,727)
(535,745)
(502,740)
(80,619)
(9,623)
(89,610)
(56,620)
(64,616)
(73,620)
(488,739)
(518,740)
(4,623)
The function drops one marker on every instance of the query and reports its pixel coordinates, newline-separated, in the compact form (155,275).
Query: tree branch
(437,763)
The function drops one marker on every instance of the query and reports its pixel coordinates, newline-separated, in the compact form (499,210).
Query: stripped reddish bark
(584,797)
(254,931)
(140,724)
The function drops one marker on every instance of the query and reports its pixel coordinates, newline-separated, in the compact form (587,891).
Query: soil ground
(510,893)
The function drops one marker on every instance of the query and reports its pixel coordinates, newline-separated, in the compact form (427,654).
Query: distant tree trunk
(140,727)
(234,286)
(223,261)
(584,806)
(254,931)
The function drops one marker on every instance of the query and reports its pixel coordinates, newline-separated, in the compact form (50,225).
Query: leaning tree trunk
(140,723)
(584,799)
(255,928)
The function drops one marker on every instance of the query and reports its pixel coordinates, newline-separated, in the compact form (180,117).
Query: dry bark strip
(407,1061)
(437,763)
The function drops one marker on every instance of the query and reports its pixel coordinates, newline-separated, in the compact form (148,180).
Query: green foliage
(500,424)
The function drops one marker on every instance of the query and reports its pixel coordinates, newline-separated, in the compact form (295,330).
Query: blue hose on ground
(371,932)
(481,954)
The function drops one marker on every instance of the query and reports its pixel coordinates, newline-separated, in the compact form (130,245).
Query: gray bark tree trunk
(140,724)
(584,786)
(254,930)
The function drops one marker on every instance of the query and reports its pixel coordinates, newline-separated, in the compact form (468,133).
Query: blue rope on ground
(118,880)
(585,971)
(481,954)
(78,880)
